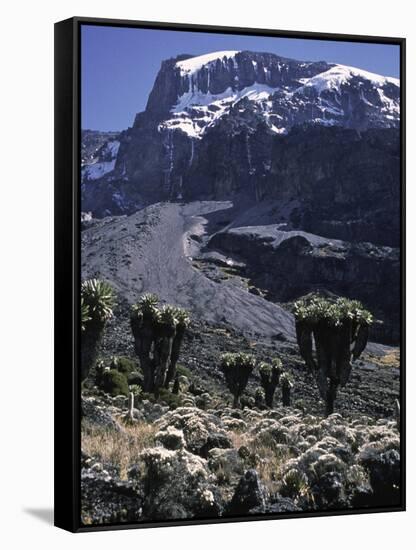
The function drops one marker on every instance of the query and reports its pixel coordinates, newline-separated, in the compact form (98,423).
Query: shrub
(183,371)
(114,383)
(124,365)
(135,390)
(171,399)
(294,484)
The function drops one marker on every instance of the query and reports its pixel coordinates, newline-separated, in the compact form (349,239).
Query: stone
(105,499)
(328,491)
(250,493)
(384,473)
(96,414)
(279,505)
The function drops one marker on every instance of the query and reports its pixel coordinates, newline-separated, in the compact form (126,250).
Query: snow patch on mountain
(196,111)
(194,64)
(103,164)
(256,92)
(97,170)
(340,75)
(112,148)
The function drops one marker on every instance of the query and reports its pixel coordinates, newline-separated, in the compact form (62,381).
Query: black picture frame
(67,266)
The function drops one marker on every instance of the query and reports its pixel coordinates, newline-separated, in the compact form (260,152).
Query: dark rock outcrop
(384,473)
(105,498)
(290,264)
(93,412)
(249,494)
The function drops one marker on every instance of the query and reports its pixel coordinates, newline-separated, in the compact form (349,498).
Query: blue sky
(119,65)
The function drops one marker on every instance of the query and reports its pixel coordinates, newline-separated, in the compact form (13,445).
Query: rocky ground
(191,455)
(199,460)
(373,387)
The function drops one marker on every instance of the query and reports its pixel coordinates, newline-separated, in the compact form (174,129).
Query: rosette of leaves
(269,378)
(85,314)
(339,329)
(237,368)
(97,303)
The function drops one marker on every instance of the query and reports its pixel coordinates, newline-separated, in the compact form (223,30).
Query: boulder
(95,413)
(107,499)
(328,491)
(279,505)
(383,466)
(250,493)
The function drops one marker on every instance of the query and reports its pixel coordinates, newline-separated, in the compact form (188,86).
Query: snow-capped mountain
(280,91)
(101,161)
(237,123)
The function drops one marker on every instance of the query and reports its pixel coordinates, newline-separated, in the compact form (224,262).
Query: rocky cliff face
(192,93)
(288,264)
(213,124)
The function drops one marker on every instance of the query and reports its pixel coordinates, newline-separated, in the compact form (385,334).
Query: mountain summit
(227,123)
(191,94)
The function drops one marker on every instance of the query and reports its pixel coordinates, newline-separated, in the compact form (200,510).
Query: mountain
(213,123)
(307,155)
(193,94)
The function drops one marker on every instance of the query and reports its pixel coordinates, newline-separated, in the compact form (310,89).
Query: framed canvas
(229,288)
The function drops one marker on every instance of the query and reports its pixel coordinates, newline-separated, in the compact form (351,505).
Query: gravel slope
(150,251)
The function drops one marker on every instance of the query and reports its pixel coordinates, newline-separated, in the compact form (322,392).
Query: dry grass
(269,462)
(117,448)
(265,457)
(237,439)
(389,359)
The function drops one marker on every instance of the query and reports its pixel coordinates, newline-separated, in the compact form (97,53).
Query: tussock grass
(390,359)
(120,449)
(237,439)
(269,461)
(265,456)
